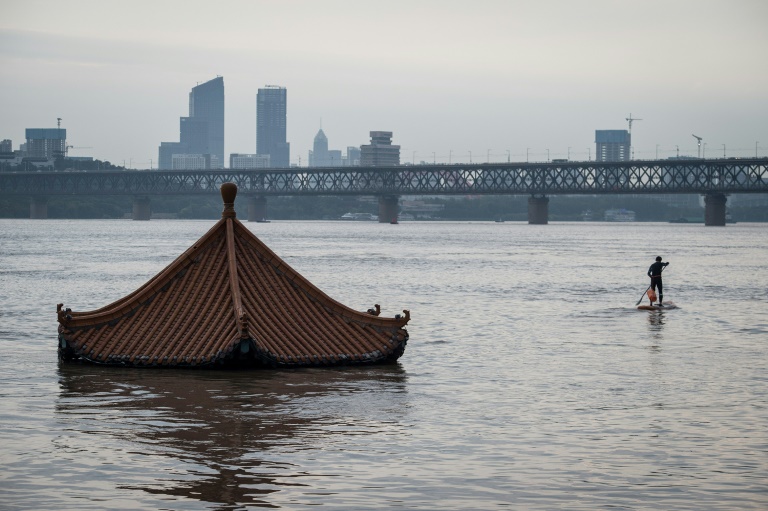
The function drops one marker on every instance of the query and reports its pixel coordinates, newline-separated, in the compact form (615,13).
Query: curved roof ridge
(234,283)
(281,265)
(155,283)
(230,299)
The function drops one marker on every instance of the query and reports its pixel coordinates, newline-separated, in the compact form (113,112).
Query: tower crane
(698,139)
(630,119)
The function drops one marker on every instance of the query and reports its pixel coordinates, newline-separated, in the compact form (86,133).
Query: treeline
(487,208)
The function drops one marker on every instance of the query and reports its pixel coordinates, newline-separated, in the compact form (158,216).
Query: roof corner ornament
(228,194)
(62,313)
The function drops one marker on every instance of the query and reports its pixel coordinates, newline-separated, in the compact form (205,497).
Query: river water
(530,380)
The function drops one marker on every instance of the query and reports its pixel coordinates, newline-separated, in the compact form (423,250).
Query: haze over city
(497,79)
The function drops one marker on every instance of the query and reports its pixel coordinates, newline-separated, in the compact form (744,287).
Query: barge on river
(230,301)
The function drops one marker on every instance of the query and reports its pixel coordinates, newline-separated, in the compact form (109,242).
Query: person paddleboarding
(654,272)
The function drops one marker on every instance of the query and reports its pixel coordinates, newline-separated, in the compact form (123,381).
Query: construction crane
(630,119)
(698,139)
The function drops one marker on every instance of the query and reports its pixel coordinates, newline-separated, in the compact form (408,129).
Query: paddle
(642,296)
(644,292)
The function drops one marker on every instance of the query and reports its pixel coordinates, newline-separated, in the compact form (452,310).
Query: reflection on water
(656,320)
(525,385)
(219,428)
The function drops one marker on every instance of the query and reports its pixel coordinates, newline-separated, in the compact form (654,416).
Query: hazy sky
(447,77)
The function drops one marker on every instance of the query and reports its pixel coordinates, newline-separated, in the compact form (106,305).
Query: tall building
(318,156)
(612,145)
(202,132)
(6,146)
(380,152)
(271,124)
(166,152)
(248,161)
(334,158)
(46,142)
(206,110)
(353,157)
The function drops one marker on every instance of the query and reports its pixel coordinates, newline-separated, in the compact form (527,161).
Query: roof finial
(228,194)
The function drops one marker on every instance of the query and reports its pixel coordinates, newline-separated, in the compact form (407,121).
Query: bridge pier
(257,208)
(388,209)
(538,210)
(714,209)
(142,208)
(38,208)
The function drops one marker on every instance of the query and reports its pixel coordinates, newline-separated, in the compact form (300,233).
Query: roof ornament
(228,194)
(229,301)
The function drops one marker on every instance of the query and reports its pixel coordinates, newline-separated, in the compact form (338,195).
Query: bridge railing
(633,177)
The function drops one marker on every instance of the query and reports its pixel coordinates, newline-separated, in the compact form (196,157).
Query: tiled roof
(229,300)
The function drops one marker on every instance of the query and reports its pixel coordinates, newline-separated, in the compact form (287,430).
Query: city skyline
(452,80)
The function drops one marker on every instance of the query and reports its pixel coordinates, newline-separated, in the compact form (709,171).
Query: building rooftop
(229,301)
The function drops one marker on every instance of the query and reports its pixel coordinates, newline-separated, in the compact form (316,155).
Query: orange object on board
(652,295)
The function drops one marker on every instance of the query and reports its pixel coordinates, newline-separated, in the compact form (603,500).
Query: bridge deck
(633,177)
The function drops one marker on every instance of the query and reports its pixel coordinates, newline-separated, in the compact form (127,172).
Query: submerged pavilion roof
(229,300)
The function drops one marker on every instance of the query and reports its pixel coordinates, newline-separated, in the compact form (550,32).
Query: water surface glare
(530,380)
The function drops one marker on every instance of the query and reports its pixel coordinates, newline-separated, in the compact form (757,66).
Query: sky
(453,80)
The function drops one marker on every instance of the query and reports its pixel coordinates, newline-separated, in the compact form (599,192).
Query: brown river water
(530,380)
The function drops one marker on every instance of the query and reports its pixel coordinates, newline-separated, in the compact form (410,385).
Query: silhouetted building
(334,157)
(612,145)
(202,132)
(321,156)
(248,161)
(167,150)
(206,112)
(318,156)
(6,146)
(271,125)
(380,152)
(46,142)
(353,157)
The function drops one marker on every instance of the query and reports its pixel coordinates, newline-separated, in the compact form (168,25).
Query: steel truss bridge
(718,176)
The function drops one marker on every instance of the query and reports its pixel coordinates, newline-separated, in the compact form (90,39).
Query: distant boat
(359,216)
(499,220)
(619,215)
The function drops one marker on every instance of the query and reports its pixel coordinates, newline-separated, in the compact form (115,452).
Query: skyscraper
(202,132)
(612,145)
(318,156)
(271,125)
(206,112)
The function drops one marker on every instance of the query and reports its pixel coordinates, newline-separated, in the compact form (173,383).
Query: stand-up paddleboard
(666,306)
